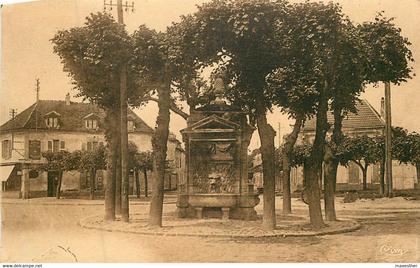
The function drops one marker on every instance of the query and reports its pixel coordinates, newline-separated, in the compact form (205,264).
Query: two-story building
(51,125)
(367,121)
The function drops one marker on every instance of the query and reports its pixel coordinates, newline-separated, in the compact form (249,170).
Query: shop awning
(5,172)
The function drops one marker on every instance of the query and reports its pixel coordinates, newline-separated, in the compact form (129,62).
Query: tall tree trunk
(364,172)
(418,173)
(313,165)
(330,177)
(267,134)
(60,180)
(160,141)
(136,174)
(313,196)
(287,156)
(118,181)
(111,170)
(92,175)
(146,183)
(331,165)
(382,178)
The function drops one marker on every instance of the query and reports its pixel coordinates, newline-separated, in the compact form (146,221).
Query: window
(354,173)
(54,145)
(33,174)
(51,122)
(376,173)
(34,149)
(6,149)
(130,125)
(91,124)
(92,145)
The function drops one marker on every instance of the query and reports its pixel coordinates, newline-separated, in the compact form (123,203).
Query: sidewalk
(169,199)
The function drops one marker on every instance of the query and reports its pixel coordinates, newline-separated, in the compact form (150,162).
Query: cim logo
(389,250)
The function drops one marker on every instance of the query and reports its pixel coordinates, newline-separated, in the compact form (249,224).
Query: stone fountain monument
(216,142)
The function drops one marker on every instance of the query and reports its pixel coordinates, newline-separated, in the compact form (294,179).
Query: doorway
(52,183)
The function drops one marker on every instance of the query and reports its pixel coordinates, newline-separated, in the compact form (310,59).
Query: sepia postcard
(210,131)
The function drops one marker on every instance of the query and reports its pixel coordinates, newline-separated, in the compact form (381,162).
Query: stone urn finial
(219,89)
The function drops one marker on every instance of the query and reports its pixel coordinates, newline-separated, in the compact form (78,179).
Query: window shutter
(89,146)
(56,145)
(50,145)
(62,145)
(83,146)
(35,149)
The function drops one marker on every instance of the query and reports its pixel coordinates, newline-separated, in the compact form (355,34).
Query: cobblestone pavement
(50,233)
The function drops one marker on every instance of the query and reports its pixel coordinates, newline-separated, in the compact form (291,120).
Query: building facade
(367,121)
(50,125)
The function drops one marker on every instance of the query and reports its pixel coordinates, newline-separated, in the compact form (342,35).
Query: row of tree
(365,151)
(304,58)
(89,162)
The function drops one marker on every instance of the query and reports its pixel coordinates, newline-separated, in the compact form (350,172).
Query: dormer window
(91,121)
(52,120)
(130,125)
(91,124)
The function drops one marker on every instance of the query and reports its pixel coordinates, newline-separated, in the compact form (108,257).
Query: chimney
(67,99)
(383,108)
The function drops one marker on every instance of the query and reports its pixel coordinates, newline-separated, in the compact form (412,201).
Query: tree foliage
(58,161)
(387,51)
(300,154)
(93,54)
(138,159)
(93,160)
(362,150)
(406,146)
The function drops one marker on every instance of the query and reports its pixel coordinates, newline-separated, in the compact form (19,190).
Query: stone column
(24,190)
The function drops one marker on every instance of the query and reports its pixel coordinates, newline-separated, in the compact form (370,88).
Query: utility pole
(388,139)
(12,113)
(123,119)
(279,135)
(37,88)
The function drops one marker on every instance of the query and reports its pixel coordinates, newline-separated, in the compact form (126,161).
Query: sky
(27,53)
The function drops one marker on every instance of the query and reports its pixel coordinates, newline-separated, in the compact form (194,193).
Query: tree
(388,55)
(239,38)
(315,38)
(361,150)
(92,161)
(153,56)
(59,162)
(346,87)
(93,55)
(140,161)
(144,163)
(299,155)
(406,148)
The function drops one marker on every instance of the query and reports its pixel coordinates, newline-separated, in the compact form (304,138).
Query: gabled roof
(71,116)
(365,118)
(212,122)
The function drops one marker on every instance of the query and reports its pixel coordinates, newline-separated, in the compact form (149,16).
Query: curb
(354,226)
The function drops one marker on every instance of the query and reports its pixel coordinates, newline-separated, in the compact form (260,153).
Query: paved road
(50,233)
